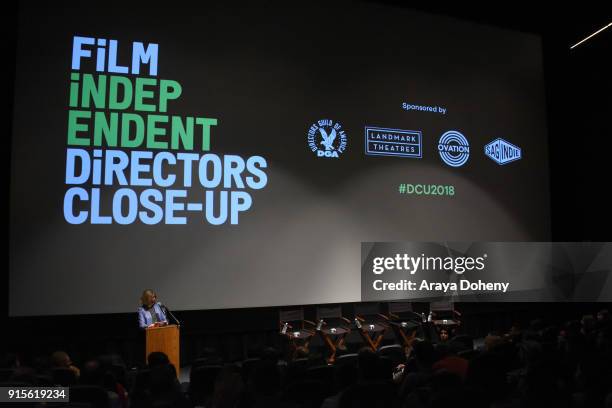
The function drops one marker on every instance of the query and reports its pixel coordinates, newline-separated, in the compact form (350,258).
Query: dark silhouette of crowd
(540,365)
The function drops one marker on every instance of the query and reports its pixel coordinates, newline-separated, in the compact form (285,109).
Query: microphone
(169,312)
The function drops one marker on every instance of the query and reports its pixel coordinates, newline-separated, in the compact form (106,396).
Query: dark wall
(579,86)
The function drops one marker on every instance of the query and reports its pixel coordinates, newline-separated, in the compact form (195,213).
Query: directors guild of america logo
(326,138)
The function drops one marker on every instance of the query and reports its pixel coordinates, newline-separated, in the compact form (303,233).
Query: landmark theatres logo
(393,142)
(326,138)
(454,148)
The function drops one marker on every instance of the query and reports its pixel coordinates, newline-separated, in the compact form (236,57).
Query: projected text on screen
(121,139)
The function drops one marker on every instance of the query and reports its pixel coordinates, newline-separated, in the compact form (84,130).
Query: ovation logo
(454,148)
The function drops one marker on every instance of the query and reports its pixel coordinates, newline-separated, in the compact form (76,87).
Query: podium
(166,340)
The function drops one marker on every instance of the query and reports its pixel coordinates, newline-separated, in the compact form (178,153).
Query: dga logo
(502,152)
(454,148)
(393,142)
(326,138)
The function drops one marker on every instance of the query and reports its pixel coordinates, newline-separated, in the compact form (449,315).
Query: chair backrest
(375,394)
(400,307)
(296,369)
(442,306)
(293,315)
(367,309)
(307,393)
(350,358)
(333,312)
(202,361)
(119,372)
(247,366)
(462,342)
(323,373)
(202,382)
(394,352)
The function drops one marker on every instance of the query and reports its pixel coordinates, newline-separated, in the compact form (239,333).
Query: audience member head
(229,387)
(444,336)
(301,352)
(345,375)
(368,364)
(461,343)
(9,360)
(164,385)
(60,359)
(92,373)
(270,354)
(487,374)
(588,323)
(603,315)
(157,359)
(452,364)
(444,380)
(492,340)
(24,375)
(424,354)
(264,379)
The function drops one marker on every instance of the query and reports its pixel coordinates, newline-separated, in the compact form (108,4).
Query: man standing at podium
(150,313)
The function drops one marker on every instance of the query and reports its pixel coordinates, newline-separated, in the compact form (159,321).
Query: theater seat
(202,361)
(375,394)
(202,383)
(323,373)
(5,374)
(393,352)
(307,393)
(63,376)
(97,397)
(296,369)
(247,366)
(350,358)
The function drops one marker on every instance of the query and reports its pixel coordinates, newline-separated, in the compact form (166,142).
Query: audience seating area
(536,366)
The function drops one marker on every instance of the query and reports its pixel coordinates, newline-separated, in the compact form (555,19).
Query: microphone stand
(170,313)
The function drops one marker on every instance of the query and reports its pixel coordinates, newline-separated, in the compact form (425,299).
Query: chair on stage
(444,316)
(296,329)
(371,324)
(333,328)
(405,323)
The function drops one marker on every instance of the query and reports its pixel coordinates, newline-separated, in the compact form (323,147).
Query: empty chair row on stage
(370,321)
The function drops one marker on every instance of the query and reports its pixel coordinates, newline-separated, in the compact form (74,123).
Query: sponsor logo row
(328,139)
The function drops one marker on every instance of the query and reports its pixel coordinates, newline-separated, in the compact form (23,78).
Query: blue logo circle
(326,138)
(454,148)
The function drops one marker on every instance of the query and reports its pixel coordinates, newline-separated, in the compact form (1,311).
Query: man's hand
(398,373)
